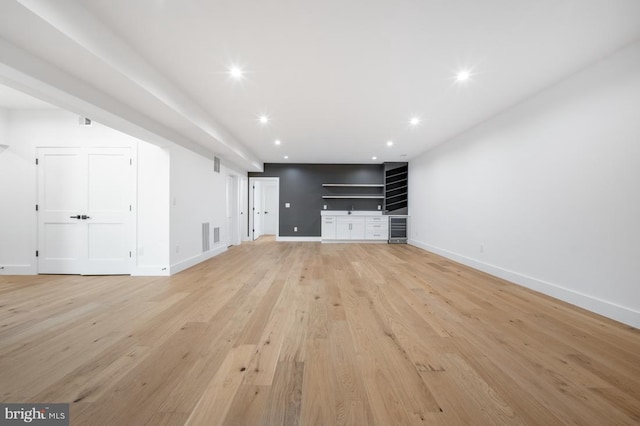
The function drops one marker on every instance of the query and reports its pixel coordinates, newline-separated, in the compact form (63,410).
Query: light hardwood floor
(304,333)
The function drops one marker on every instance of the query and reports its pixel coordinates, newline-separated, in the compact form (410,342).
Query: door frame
(252,215)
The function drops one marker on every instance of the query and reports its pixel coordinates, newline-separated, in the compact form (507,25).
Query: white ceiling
(338,78)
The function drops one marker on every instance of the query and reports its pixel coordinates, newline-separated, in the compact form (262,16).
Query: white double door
(85,218)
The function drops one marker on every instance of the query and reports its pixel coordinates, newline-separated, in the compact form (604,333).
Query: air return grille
(205,237)
(216,235)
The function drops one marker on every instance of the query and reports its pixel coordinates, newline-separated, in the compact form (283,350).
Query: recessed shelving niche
(396,189)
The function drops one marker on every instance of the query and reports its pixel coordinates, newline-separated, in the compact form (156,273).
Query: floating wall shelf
(355,185)
(355,196)
(350,196)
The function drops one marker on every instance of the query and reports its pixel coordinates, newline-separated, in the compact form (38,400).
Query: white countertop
(350,212)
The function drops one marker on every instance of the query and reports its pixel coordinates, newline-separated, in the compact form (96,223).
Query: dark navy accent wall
(301,186)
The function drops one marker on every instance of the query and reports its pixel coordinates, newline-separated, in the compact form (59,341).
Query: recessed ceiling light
(277,142)
(263,119)
(374,158)
(463,75)
(389,143)
(236,72)
(286,157)
(414,121)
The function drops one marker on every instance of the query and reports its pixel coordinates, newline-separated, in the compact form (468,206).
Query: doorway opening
(264,205)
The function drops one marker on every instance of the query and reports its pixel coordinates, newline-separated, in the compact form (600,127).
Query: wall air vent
(84,121)
(216,164)
(216,235)
(206,245)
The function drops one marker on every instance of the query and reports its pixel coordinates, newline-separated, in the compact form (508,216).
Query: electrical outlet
(324,206)
(287,205)
(295,229)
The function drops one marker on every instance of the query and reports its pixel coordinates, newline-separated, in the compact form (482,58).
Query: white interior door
(85,218)
(270,208)
(109,210)
(62,184)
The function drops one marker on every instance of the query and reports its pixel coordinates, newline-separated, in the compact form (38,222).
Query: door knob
(84,216)
(75,217)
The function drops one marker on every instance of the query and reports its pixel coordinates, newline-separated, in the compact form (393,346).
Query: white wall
(256,207)
(4,127)
(233,210)
(244,208)
(153,219)
(198,195)
(547,194)
(29,129)
(17,201)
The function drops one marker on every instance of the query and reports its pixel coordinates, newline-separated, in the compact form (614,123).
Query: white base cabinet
(350,228)
(355,227)
(376,228)
(329,227)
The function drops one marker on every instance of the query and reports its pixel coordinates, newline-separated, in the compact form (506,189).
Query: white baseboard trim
(188,263)
(299,239)
(18,270)
(588,302)
(151,271)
